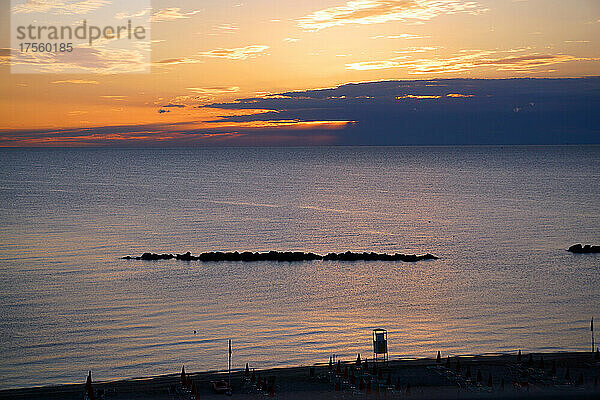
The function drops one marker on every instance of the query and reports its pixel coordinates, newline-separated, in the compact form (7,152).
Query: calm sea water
(500,218)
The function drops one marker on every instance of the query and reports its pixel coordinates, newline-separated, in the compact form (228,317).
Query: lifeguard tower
(380,346)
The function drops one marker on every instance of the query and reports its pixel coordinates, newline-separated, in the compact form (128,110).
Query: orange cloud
(373,65)
(172,14)
(468,61)
(238,53)
(77,82)
(59,7)
(412,96)
(215,90)
(380,11)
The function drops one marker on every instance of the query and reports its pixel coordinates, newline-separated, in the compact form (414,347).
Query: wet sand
(559,375)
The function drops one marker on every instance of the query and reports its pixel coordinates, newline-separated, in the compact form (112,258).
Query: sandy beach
(493,376)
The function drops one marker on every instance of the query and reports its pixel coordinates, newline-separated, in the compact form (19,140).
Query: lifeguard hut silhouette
(380,345)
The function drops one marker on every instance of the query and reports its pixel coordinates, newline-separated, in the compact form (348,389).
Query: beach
(489,376)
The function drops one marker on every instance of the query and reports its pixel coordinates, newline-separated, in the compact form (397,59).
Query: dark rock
(287,256)
(579,249)
(154,257)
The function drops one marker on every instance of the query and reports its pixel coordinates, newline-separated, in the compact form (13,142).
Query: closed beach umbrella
(438,359)
(358,360)
(247,371)
(88,386)
(519,356)
(338,367)
(330,363)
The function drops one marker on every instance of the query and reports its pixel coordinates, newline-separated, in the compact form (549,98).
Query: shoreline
(533,375)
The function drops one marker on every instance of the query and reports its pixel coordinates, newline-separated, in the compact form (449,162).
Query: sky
(329,72)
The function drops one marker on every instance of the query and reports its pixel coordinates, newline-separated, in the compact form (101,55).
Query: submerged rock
(286,256)
(578,248)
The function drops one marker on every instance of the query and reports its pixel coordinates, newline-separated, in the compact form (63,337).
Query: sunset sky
(222,73)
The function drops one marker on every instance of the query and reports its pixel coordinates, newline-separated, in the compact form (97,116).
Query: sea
(499,218)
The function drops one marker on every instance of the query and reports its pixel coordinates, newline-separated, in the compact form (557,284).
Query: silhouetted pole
(229,364)
(592,329)
(88,386)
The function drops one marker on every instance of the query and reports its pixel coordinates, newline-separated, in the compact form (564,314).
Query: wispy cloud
(412,50)
(76,82)
(498,60)
(418,96)
(172,14)
(458,95)
(59,7)
(214,90)
(380,11)
(140,13)
(238,53)
(401,36)
(180,60)
(175,133)
(227,28)
(114,97)
(373,65)
(98,59)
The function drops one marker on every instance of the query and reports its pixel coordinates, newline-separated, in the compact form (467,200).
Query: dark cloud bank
(512,111)
(437,112)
